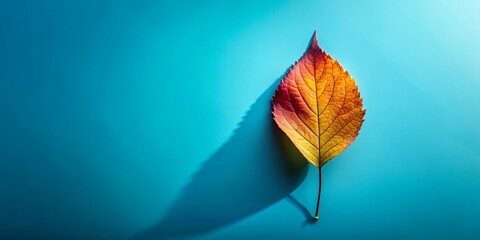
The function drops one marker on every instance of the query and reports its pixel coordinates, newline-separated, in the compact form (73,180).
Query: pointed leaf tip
(313,41)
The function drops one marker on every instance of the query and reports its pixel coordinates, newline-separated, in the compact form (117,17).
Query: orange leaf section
(318,106)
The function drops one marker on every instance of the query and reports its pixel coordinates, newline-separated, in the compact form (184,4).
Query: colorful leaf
(318,106)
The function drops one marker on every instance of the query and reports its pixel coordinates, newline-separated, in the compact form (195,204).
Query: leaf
(318,106)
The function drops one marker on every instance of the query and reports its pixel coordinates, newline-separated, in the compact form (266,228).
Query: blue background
(117,120)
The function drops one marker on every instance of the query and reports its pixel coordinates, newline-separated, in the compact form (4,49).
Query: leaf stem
(319,191)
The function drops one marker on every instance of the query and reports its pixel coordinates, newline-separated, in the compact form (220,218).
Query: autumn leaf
(318,106)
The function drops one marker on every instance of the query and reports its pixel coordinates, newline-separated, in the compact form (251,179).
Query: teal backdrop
(118,118)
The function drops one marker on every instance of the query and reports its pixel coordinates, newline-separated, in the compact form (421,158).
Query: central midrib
(318,107)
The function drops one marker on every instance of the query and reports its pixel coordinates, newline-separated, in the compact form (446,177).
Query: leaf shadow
(257,167)
(309,219)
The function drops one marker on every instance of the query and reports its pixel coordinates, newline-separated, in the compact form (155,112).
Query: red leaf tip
(313,41)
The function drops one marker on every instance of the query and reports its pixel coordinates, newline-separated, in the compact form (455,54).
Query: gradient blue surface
(115,117)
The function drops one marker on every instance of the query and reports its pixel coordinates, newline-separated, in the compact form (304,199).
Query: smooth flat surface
(115,118)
